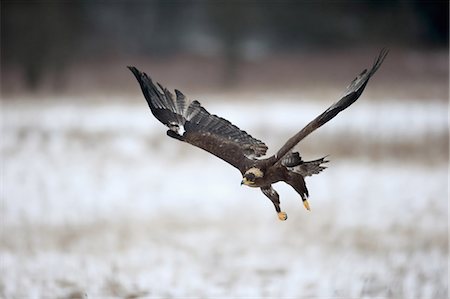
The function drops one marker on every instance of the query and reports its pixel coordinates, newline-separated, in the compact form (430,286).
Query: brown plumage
(190,122)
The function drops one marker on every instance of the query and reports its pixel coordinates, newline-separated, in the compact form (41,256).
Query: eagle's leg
(275,198)
(298,183)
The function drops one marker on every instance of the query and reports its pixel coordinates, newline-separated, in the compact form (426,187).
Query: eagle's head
(251,175)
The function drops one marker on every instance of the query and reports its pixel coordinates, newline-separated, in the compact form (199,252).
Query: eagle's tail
(294,163)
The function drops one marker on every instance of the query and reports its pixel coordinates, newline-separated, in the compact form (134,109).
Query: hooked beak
(245,181)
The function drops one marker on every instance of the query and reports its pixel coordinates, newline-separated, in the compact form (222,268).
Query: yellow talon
(282,216)
(306,204)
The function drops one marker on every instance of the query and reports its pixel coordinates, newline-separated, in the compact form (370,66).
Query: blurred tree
(227,18)
(44,38)
(40,38)
(435,15)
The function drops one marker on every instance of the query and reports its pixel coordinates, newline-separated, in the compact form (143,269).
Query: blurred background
(98,202)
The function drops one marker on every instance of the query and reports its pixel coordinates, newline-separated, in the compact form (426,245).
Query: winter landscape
(97,202)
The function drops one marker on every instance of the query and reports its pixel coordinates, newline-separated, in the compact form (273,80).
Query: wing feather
(352,93)
(192,123)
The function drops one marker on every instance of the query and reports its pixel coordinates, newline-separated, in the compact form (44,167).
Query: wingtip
(379,60)
(134,70)
(140,76)
(179,93)
(383,53)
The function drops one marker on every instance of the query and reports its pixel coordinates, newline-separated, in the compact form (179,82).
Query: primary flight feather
(188,121)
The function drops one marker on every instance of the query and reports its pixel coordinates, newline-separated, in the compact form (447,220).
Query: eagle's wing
(190,122)
(354,90)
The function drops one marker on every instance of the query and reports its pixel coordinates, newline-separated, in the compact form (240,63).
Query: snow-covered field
(97,202)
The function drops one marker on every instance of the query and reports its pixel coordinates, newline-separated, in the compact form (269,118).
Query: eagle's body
(190,122)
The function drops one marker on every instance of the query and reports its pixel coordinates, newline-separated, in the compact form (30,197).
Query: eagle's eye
(250,176)
(248,179)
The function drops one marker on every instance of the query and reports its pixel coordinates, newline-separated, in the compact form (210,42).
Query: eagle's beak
(246,182)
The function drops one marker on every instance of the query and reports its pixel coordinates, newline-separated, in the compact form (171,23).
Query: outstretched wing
(353,92)
(190,122)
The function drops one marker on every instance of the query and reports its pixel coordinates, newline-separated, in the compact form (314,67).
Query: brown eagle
(190,122)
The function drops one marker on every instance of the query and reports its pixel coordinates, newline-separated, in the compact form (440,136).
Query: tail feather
(295,164)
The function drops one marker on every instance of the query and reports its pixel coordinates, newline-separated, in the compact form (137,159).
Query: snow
(98,202)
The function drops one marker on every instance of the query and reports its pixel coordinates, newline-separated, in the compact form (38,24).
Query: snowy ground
(97,202)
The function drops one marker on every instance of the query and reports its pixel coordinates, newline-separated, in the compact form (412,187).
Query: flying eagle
(190,122)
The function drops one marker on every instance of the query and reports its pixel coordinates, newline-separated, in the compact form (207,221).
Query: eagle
(190,122)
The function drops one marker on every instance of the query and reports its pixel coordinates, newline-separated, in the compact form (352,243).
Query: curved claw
(282,216)
(306,204)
